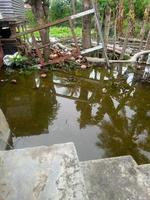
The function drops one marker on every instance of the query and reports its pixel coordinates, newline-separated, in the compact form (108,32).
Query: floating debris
(104,90)
(14,81)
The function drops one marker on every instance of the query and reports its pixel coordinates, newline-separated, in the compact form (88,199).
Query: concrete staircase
(116,179)
(55,173)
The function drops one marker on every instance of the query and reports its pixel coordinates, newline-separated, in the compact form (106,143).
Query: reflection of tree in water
(84,108)
(122,118)
(29,110)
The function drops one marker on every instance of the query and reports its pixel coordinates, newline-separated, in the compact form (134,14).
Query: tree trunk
(120,17)
(145,21)
(73,3)
(86,26)
(130,28)
(40,10)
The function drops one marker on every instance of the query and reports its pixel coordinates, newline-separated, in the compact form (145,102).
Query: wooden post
(37,49)
(130,27)
(107,24)
(1,55)
(145,22)
(115,36)
(74,35)
(100,34)
(73,5)
(147,46)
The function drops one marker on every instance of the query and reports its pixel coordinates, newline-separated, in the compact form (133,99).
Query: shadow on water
(105,113)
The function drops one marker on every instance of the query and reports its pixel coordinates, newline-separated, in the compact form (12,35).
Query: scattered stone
(53,56)
(13,81)
(80,57)
(69,53)
(72,58)
(3,80)
(78,61)
(43,75)
(83,66)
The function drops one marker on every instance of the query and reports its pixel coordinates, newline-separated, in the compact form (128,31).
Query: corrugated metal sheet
(12,9)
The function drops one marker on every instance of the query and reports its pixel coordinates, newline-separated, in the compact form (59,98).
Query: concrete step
(41,173)
(116,179)
(4,132)
(145,170)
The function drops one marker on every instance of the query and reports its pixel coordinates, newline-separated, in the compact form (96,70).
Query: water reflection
(29,110)
(104,112)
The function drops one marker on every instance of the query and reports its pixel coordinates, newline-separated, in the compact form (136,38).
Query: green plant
(19,60)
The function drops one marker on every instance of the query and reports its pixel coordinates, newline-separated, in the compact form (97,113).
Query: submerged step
(115,179)
(41,173)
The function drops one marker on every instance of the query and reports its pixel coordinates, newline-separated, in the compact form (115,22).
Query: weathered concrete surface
(145,170)
(116,179)
(4,131)
(41,173)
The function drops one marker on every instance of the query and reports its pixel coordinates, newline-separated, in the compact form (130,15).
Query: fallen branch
(137,55)
(118,48)
(133,59)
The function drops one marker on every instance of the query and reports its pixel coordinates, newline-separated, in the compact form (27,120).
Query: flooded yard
(105,113)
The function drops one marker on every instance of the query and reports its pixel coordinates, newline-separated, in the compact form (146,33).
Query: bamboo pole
(100,33)
(145,21)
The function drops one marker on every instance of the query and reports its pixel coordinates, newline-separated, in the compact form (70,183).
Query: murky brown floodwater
(105,114)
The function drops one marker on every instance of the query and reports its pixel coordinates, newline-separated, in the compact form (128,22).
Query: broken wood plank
(82,14)
(37,49)
(103,61)
(133,59)
(88,12)
(132,40)
(91,49)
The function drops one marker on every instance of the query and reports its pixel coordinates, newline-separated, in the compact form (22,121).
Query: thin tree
(120,17)
(107,24)
(40,9)
(130,27)
(86,26)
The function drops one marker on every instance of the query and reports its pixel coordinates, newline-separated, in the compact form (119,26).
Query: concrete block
(41,173)
(115,179)
(4,132)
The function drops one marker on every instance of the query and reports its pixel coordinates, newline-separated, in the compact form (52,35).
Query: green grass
(62,32)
